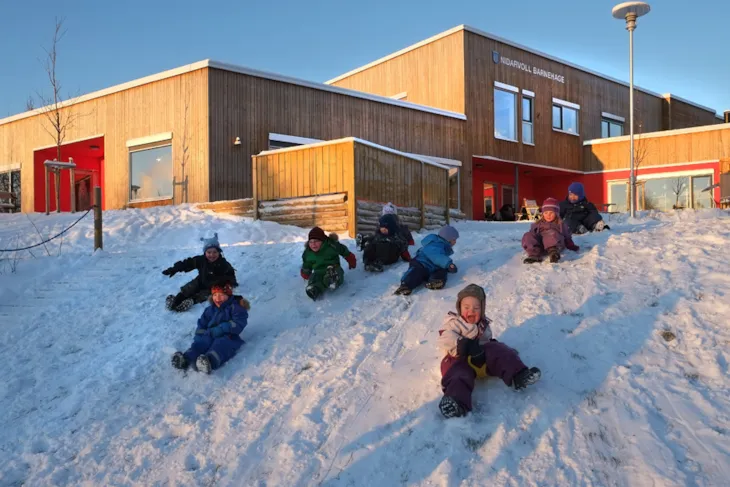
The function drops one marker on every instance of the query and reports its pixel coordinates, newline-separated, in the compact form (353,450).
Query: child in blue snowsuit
(217,336)
(431,263)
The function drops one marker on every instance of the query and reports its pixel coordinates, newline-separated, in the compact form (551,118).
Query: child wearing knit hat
(548,236)
(321,262)
(471,352)
(431,263)
(217,336)
(581,215)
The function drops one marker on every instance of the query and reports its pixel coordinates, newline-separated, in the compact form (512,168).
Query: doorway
(490,200)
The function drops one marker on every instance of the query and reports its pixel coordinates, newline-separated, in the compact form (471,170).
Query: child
(471,352)
(431,263)
(390,209)
(321,262)
(211,267)
(217,337)
(580,214)
(549,235)
(385,246)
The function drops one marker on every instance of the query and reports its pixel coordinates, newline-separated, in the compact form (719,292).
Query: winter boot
(376,266)
(332,277)
(179,361)
(169,300)
(531,260)
(553,254)
(185,305)
(312,292)
(358,241)
(581,230)
(435,284)
(404,290)
(526,377)
(203,364)
(451,408)
(601,225)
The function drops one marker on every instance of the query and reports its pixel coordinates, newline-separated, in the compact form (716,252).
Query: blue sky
(680,47)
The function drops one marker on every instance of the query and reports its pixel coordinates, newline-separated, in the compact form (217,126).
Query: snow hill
(631,334)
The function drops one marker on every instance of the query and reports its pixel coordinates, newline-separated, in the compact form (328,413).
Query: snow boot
(581,230)
(185,305)
(332,277)
(179,361)
(169,300)
(601,225)
(526,377)
(312,292)
(404,290)
(203,364)
(451,408)
(553,254)
(374,267)
(531,260)
(435,284)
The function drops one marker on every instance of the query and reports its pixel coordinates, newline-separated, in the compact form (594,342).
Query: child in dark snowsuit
(217,337)
(390,209)
(321,262)
(385,246)
(580,214)
(211,267)
(549,235)
(431,263)
(471,353)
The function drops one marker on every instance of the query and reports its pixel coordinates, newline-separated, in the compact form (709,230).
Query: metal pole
(98,244)
(48,189)
(630,26)
(58,190)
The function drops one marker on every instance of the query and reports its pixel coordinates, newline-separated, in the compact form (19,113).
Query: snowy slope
(344,391)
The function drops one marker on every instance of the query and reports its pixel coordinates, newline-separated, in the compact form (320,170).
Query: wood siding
(431,75)
(145,110)
(711,145)
(250,108)
(681,115)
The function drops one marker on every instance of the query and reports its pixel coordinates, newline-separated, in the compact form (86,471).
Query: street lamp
(631,11)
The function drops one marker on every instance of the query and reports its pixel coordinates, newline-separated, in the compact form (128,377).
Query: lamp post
(630,11)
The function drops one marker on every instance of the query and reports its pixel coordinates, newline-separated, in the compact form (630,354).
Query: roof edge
(657,134)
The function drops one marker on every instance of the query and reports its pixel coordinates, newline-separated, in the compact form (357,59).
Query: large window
(611,128)
(528,136)
(505,115)
(565,116)
(663,194)
(150,173)
(700,198)
(10,182)
(618,195)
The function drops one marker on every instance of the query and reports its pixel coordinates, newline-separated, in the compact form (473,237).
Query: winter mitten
(351,260)
(170,271)
(203,364)
(305,275)
(451,269)
(601,225)
(411,242)
(451,408)
(179,361)
(570,245)
(406,256)
(581,230)
(216,332)
(464,346)
(530,260)
(526,377)
(553,254)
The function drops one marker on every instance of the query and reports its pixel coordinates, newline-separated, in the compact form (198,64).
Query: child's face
(549,216)
(452,242)
(315,245)
(384,230)
(471,310)
(573,197)
(212,255)
(220,298)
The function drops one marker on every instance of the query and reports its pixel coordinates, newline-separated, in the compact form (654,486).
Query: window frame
(141,148)
(528,95)
(514,91)
(611,122)
(562,105)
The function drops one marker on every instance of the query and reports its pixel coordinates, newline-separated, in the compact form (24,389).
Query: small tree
(679,185)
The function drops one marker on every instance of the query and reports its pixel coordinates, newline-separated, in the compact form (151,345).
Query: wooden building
(528,114)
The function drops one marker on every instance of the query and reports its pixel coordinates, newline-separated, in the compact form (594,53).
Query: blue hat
(211,243)
(449,233)
(577,189)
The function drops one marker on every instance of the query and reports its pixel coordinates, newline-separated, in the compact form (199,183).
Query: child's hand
(351,260)
(169,272)
(216,332)
(305,275)
(406,256)
(573,247)
(452,268)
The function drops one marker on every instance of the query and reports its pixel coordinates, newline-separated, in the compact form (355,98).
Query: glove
(406,256)
(305,275)
(572,246)
(411,242)
(170,271)
(474,354)
(216,332)
(351,260)
(452,268)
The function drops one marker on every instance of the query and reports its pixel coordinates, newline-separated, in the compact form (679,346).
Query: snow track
(631,335)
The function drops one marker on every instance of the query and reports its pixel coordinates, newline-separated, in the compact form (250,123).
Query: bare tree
(29,104)
(184,147)
(678,187)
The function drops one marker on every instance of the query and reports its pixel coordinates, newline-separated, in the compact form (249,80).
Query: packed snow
(631,335)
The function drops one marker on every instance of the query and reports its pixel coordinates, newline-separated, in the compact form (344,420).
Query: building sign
(526,67)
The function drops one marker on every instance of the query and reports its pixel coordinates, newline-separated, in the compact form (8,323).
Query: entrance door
(489,200)
(508,195)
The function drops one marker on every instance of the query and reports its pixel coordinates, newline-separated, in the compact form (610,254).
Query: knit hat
(551,204)
(211,243)
(317,234)
(389,209)
(448,233)
(388,221)
(474,291)
(224,288)
(577,189)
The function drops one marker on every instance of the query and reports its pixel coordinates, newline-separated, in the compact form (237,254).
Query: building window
(664,193)
(150,173)
(565,119)
(700,198)
(528,136)
(618,196)
(611,128)
(10,182)
(505,115)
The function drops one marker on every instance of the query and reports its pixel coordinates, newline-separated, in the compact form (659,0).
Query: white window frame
(531,96)
(155,144)
(515,91)
(566,104)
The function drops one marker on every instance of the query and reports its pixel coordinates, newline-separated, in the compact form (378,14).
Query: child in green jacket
(321,262)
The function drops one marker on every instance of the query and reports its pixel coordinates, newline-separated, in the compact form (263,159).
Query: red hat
(551,204)
(317,234)
(222,288)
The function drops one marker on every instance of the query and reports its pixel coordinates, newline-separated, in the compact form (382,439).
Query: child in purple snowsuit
(472,353)
(217,337)
(549,235)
